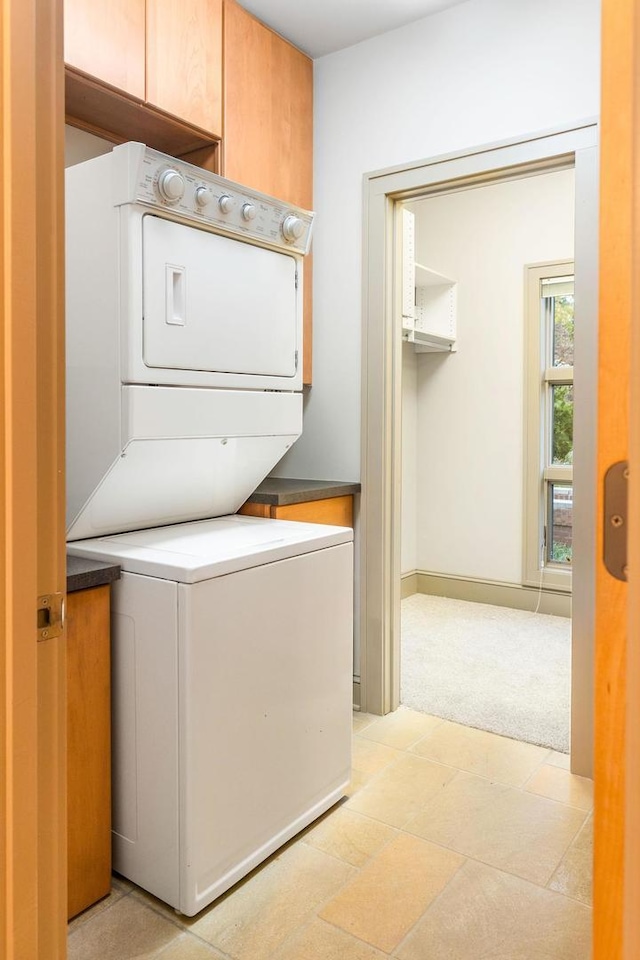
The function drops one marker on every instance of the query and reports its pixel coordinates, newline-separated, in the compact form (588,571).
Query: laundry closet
(231,637)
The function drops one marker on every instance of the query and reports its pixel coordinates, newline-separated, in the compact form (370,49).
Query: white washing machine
(232,643)
(232,637)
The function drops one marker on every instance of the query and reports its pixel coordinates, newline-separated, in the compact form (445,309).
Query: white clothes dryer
(184,340)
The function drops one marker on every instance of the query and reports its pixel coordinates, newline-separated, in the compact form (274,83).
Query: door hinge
(296,278)
(615,519)
(296,360)
(50,616)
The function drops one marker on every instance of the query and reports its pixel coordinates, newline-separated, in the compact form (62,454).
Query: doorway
(385,191)
(487,417)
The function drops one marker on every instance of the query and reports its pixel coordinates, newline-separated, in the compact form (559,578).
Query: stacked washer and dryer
(231,635)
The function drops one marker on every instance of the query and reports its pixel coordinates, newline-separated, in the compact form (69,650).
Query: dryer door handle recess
(176,295)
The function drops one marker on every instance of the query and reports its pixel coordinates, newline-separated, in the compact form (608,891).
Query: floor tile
(362,720)
(121,883)
(444,911)
(149,900)
(509,829)
(402,728)
(401,790)
(349,836)
(258,915)
(187,947)
(392,891)
(321,941)
(128,930)
(119,890)
(562,760)
(482,753)
(358,780)
(557,784)
(369,757)
(487,915)
(574,876)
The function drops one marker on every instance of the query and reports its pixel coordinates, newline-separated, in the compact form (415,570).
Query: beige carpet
(494,668)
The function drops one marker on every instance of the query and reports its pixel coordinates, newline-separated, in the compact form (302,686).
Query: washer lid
(190,552)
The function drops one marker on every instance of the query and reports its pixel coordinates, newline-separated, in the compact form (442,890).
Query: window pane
(559,523)
(562,424)
(563,331)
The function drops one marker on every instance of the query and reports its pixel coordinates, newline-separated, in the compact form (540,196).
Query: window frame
(539,470)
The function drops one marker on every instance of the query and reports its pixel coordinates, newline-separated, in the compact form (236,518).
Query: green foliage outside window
(563,330)
(563,424)
(561,552)
(563,327)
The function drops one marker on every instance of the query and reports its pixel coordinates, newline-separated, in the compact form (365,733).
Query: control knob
(249,211)
(202,196)
(226,204)
(171,185)
(292,228)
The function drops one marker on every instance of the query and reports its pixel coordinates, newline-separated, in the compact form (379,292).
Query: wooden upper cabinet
(268,123)
(164,59)
(106,38)
(184,60)
(268,110)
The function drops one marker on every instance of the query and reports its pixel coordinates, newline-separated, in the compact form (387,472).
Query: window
(548,540)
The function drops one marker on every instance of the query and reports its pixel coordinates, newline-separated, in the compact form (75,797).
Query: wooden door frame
(32,555)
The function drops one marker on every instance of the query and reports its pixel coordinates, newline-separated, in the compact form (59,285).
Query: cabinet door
(335,511)
(88,747)
(268,123)
(268,118)
(106,38)
(184,60)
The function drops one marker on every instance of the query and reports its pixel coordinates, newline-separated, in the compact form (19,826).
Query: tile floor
(453,844)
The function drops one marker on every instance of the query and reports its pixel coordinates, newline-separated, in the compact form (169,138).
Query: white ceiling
(323,26)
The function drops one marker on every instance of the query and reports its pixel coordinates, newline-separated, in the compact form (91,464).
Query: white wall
(80,145)
(483,71)
(471,403)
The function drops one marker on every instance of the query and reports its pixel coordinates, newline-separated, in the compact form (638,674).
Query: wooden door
(32,691)
(184,60)
(106,39)
(617,703)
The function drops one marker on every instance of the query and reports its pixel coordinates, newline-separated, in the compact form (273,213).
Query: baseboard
(356,695)
(408,585)
(493,591)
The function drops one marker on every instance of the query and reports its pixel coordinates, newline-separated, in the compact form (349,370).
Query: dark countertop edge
(280,491)
(83,574)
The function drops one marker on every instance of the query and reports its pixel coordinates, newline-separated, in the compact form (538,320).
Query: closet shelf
(429,342)
(425,277)
(429,299)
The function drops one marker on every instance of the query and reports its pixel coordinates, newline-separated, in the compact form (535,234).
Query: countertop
(82,573)
(280,492)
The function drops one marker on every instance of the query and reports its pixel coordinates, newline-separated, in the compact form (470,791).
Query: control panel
(201,196)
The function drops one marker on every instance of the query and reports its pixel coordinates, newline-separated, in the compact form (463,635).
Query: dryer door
(215,304)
